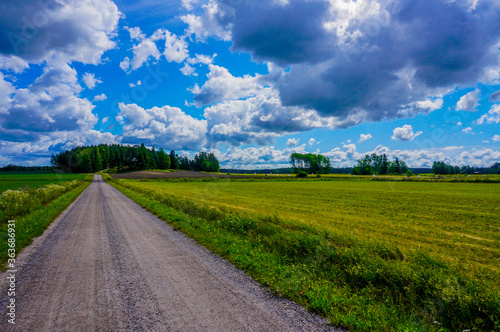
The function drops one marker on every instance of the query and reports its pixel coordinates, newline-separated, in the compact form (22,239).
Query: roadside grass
(33,180)
(358,280)
(33,220)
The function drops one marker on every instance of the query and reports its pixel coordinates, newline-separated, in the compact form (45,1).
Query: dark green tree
(163,159)
(174,163)
(364,166)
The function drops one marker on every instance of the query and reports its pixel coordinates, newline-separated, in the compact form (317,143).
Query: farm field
(182,174)
(397,235)
(33,180)
(457,222)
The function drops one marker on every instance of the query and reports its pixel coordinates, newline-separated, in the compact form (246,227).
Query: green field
(32,180)
(369,255)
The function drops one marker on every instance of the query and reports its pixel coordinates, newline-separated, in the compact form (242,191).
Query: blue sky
(253,81)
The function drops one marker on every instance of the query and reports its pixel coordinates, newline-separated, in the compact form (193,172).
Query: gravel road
(106,264)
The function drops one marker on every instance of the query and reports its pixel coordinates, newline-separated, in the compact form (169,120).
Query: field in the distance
(33,180)
(458,223)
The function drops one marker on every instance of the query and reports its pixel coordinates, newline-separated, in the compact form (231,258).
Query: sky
(253,81)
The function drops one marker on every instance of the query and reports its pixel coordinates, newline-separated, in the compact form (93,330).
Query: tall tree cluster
(203,161)
(311,163)
(379,164)
(88,159)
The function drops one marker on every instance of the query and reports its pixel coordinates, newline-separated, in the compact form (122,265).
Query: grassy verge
(360,285)
(35,223)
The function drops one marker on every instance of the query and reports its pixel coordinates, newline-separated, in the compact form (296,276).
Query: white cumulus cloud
(468,102)
(175,48)
(468,130)
(90,80)
(164,126)
(405,133)
(292,142)
(222,86)
(364,137)
(135,33)
(493,115)
(100,97)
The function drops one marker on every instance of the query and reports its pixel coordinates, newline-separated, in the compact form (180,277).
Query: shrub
(409,173)
(15,202)
(302,174)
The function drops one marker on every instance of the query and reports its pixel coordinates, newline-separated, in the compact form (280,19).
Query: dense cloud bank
(379,59)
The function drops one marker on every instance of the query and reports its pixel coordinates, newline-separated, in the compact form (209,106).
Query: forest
(89,159)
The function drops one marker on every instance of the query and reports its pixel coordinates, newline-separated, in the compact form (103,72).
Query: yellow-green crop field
(395,255)
(457,222)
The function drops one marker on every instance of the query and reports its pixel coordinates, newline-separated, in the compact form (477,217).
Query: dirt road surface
(106,264)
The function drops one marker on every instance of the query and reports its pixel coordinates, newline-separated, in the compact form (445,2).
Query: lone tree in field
(311,163)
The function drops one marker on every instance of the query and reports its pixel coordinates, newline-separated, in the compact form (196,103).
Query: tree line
(16,168)
(441,168)
(379,164)
(89,159)
(310,163)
